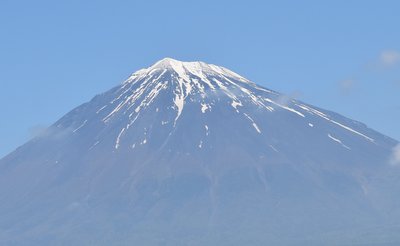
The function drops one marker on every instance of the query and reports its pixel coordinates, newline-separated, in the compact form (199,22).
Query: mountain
(188,153)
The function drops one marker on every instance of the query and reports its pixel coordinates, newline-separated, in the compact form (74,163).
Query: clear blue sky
(339,55)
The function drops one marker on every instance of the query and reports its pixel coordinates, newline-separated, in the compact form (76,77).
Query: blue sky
(339,55)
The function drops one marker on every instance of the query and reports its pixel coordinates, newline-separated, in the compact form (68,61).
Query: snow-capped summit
(181,152)
(202,85)
(186,69)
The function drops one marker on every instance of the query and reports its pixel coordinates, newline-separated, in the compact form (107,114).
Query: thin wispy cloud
(55,133)
(395,157)
(37,131)
(285,99)
(389,58)
(347,85)
(384,61)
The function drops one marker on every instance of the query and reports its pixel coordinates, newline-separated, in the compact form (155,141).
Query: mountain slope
(188,153)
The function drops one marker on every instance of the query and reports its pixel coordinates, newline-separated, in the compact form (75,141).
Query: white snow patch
(119,138)
(82,125)
(116,109)
(253,123)
(284,107)
(311,125)
(302,107)
(256,127)
(179,100)
(235,104)
(130,97)
(221,85)
(199,86)
(324,116)
(338,141)
(273,148)
(198,69)
(96,143)
(201,144)
(98,111)
(204,107)
(354,131)
(151,96)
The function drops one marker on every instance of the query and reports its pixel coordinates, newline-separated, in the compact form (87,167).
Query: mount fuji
(189,153)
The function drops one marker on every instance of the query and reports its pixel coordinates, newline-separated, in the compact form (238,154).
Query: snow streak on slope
(203,84)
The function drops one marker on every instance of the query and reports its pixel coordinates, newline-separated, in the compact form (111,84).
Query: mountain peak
(185,70)
(167,63)
(179,66)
